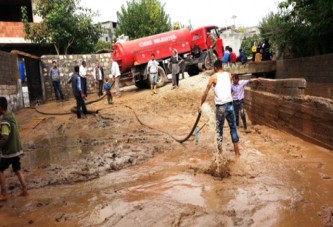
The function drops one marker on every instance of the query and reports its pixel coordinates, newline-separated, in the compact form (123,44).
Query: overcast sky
(200,12)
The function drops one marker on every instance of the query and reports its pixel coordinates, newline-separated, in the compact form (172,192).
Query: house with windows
(20,61)
(12,29)
(108,34)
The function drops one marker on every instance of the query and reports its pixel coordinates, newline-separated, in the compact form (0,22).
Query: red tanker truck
(195,47)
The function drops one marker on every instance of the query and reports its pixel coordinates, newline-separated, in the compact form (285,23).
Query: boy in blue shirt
(107,89)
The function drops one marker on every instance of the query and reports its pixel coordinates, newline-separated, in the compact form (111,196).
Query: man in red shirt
(233,56)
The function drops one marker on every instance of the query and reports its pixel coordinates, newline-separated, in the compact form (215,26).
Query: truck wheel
(209,61)
(161,78)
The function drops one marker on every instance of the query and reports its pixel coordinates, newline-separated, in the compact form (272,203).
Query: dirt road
(110,169)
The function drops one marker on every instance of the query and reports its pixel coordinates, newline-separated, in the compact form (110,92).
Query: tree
(178,25)
(301,27)
(65,25)
(102,45)
(142,18)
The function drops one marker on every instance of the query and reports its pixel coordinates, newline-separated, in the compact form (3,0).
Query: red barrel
(138,51)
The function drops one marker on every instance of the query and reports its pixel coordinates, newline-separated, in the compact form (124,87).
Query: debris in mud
(230,213)
(219,167)
(325,177)
(62,218)
(326,214)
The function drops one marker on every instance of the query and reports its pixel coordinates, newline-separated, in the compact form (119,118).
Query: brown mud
(109,169)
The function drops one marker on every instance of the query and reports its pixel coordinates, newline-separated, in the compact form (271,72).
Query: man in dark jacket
(242,57)
(75,80)
(98,74)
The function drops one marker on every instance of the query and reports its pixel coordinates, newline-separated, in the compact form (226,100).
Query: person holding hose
(221,83)
(115,73)
(78,92)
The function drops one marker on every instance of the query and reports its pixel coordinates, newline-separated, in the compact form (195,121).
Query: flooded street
(123,167)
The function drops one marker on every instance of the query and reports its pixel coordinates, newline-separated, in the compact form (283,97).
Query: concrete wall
(10,85)
(66,65)
(233,40)
(317,71)
(281,104)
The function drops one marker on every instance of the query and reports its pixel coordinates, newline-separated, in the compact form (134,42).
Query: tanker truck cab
(206,46)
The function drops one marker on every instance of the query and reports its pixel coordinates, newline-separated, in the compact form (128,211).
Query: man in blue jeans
(221,82)
(78,93)
(238,87)
(55,78)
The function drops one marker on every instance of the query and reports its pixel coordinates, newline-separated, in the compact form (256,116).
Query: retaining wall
(316,70)
(284,105)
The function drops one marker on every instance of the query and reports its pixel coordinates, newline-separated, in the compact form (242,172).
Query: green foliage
(101,45)
(142,18)
(178,25)
(65,25)
(240,30)
(301,27)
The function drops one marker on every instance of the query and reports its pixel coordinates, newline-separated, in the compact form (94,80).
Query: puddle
(180,188)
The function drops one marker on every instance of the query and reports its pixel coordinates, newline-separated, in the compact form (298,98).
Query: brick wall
(9,80)
(12,29)
(66,65)
(316,70)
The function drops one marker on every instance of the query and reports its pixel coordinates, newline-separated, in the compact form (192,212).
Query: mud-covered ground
(123,167)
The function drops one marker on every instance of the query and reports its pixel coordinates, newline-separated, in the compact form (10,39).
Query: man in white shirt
(221,82)
(98,74)
(153,71)
(115,73)
(83,75)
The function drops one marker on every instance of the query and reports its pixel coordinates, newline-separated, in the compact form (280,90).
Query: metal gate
(34,82)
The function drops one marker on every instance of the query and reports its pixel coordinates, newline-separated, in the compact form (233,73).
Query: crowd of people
(261,51)
(229,56)
(78,81)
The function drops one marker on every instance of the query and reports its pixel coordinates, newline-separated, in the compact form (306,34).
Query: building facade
(108,31)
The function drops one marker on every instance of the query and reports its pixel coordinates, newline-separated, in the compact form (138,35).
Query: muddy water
(171,189)
(110,170)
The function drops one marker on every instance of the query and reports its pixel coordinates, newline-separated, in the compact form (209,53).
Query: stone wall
(316,70)
(10,85)
(66,65)
(281,104)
